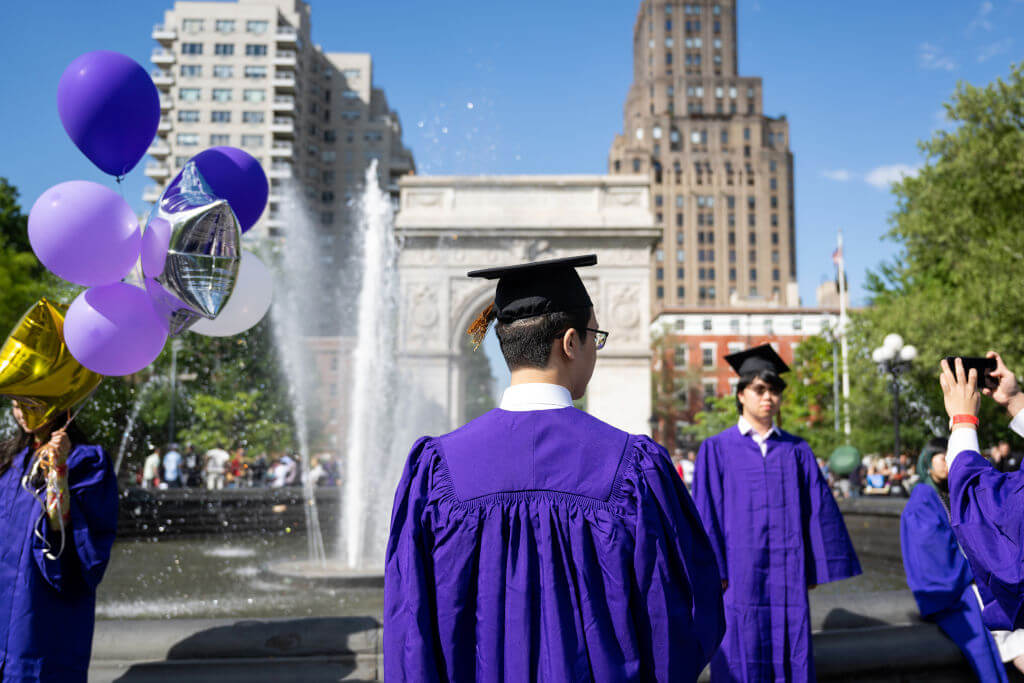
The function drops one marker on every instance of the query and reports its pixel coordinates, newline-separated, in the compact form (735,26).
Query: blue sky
(861,83)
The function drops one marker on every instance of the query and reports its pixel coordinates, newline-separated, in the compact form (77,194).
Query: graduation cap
(537,288)
(756,360)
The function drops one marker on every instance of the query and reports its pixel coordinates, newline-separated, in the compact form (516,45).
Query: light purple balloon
(156,240)
(113,330)
(84,233)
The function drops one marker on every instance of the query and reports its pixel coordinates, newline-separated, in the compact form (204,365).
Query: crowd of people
(218,468)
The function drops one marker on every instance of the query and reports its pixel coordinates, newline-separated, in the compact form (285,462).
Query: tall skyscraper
(246,74)
(721,170)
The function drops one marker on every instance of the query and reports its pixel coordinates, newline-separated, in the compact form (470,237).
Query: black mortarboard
(537,288)
(755,360)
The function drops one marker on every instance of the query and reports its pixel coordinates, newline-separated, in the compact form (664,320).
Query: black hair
(769,377)
(939,444)
(20,440)
(526,343)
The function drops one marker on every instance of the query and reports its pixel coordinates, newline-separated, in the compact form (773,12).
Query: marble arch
(449,225)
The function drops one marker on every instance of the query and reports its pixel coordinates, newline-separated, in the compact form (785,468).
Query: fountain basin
(332,573)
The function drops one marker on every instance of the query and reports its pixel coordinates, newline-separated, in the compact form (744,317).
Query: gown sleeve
(940,579)
(710,501)
(410,652)
(987,511)
(675,571)
(831,553)
(91,528)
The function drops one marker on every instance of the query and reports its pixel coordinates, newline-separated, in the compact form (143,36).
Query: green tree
(718,415)
(960,223)
(236,420)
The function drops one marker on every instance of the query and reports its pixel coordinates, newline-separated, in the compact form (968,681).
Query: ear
(570,343)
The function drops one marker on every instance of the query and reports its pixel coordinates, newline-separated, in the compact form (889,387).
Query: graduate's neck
(761,425)
(549,375)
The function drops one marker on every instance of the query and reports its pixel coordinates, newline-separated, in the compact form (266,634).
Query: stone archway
(451,225)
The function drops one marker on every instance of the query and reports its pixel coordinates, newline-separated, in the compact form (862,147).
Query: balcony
(159,149)
(162,57)
(284,103)
(165,125)
(166,103)
(281,149)
(283,125)
(164,34)
(286,58)
(284,81)
(151,193)
(280,169)
(161,78)
(287,35)
(157,171)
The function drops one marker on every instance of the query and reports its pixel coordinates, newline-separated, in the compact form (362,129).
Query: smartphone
(983,366)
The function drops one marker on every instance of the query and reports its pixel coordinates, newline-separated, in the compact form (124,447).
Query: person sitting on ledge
(537,543)
(986,506)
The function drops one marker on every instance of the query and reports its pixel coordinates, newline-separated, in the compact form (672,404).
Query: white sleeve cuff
(1017,423)
(962,439)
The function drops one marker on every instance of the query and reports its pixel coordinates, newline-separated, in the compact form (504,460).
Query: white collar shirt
(535,396)
(747,429)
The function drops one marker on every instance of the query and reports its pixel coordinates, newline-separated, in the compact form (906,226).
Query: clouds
(840,175)
(879,177)
(991,50)
(982,20)
(931,56)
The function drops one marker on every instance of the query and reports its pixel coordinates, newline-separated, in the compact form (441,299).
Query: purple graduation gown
(47,607)
(775,528)
(546,546)
(987,511)
(941,581)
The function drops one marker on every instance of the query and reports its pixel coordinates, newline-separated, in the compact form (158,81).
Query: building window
(252,141)
(223,71)
(680,292)
(707,356)
(660,273)
(252,117)
(772,166)
(775,220)
(219,139)
(255,72)
(680,359)
(661,292)
(775,238)
(253,26)
(220,117)
(751,221)
(753,274)
(224,26)
(224,49)
(775,275)
(188,116)
(773,184)
(798,324)
(732,273)
(192,25)
(679,273)
(254,95)
(255,50)
(659,255)
(679,221)
(187,139)
(191,48)
(222,94)
(189,94)
(191,70)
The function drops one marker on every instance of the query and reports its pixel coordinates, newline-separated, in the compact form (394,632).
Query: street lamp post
(894,358)
(176,346)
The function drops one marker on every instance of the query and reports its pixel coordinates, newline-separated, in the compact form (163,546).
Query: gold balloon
(38,371)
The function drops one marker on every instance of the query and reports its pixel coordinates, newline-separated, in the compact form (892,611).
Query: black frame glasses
(600,337)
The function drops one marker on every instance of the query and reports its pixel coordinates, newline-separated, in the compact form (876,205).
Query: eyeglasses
(760,389)
(600,337)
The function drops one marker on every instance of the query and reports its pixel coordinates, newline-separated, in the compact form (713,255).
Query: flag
(837,256)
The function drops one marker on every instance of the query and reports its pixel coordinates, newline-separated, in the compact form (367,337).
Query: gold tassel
(478,330)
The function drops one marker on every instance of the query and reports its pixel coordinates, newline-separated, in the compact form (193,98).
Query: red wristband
(964,419)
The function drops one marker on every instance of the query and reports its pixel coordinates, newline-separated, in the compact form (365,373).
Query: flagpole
(842,338)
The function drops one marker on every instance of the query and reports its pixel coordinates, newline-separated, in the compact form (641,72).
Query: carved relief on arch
(422,315)
(625,311)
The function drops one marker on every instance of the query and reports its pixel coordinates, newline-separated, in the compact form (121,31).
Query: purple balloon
(84,233)
(113,330)
(236,176)
(110,108)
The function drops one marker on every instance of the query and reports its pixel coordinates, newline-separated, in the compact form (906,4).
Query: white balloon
(250,300)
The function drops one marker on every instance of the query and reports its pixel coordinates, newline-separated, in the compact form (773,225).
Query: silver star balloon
(191,250)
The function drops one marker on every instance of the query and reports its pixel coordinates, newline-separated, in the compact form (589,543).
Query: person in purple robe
(937,572)
(986,505)
(537,543)
(775,529)
(52,560)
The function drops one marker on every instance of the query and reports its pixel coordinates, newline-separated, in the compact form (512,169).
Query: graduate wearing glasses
(774,526)
(537,543)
